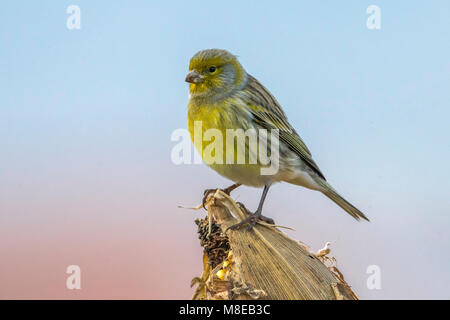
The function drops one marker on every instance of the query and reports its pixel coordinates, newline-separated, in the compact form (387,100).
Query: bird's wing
(268,114)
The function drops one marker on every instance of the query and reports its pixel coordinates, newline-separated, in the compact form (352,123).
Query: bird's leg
(253,218)
(226,190)
(231,188)
(248,212)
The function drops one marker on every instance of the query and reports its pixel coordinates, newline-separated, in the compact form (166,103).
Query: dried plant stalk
(262,263)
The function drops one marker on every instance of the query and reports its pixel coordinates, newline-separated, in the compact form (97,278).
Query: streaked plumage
(224,96)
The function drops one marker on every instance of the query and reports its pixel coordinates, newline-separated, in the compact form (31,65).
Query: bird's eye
(212,69)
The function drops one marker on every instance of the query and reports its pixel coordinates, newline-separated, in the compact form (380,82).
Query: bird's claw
(261,217)
(227,191)
(251,220)
(206,193)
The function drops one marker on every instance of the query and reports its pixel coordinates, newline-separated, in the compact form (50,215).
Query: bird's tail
(341,202)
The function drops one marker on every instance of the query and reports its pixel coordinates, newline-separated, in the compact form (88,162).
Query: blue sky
(97,106)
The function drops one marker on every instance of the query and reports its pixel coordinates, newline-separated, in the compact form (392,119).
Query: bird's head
(327,244)
(214,74)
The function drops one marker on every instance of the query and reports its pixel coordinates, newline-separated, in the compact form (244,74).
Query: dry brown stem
(262,263)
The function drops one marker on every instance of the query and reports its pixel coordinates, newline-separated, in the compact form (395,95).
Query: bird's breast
(228,114)
(210,127)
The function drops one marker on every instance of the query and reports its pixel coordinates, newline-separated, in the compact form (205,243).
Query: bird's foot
(261,217)
(206,193)
(251,220)
(227,191)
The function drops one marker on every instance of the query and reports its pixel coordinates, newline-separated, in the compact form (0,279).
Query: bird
(222,97)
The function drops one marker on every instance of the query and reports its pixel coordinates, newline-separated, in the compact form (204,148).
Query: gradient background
(86,117)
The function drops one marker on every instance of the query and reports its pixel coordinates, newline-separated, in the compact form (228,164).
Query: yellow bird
(224,97)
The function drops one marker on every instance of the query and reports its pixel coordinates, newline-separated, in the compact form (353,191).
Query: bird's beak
(194,77)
